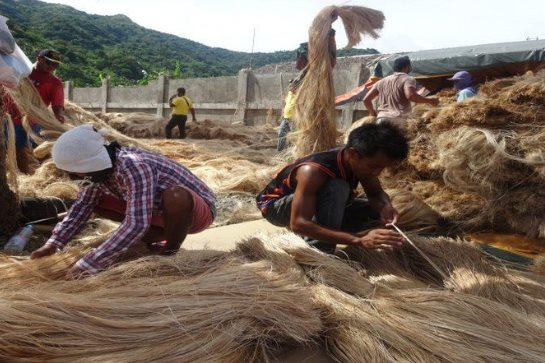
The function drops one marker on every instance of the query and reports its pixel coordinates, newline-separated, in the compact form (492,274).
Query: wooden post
(68,90)
(242,99)
(105,97)
(162,94)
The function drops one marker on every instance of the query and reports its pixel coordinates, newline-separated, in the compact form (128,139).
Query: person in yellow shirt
(181,105)
(301,61)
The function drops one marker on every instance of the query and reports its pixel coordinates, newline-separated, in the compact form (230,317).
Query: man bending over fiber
(155,198)
(315,195)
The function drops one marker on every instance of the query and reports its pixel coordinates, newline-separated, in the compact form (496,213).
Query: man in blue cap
(463,82)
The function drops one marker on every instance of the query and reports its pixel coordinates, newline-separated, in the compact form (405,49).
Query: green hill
(94,46)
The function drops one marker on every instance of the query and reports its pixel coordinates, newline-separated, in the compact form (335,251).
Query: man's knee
(177,200)
(279,212)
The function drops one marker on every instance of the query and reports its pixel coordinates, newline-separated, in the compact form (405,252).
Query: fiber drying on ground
(479,165)
(269,294)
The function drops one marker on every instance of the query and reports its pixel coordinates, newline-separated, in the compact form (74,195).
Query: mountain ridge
(96,46)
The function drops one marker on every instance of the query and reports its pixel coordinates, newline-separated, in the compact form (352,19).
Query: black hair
(302,51)
(370,139)
(401,62)
(181,90)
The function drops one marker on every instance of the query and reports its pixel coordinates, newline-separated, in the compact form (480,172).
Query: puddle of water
(516,243)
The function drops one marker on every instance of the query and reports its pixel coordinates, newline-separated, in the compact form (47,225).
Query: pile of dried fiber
(272,293)
(136,124)
(488,149)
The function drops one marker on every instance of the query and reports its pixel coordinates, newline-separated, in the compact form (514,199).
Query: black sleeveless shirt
(330,162)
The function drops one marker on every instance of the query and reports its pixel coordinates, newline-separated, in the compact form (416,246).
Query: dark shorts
(335,209)
(21,137)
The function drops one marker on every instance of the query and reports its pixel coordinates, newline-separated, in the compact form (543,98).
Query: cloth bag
(14,67)
(7,43)
(14,64)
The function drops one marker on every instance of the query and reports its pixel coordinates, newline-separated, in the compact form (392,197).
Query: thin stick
(59,215)
(443,275)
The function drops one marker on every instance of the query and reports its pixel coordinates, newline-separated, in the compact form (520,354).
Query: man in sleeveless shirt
(315,195)
(395,94)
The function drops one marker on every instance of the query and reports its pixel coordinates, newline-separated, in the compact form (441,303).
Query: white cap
(81,150)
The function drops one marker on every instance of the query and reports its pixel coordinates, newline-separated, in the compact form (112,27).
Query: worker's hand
(157,247)
(388,215)
(433,101)
(381,238)
(45,250)
(162,248)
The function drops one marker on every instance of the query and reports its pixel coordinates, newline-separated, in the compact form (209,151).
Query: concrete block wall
(247,98)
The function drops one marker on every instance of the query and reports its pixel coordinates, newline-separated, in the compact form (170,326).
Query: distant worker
(314,196)
(157,199)
(301,61)
(395,94)
(51,91)
(463,82)
(181,105)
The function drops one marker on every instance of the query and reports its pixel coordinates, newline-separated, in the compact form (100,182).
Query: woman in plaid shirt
(155,197)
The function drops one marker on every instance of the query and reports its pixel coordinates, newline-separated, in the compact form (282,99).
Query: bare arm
(193,114)
(413,96)
(368,101)
(309,181)
(59,113)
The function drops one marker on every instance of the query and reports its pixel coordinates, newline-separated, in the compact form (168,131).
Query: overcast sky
(283,24)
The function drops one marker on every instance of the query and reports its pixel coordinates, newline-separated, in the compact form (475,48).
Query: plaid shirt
(139,178)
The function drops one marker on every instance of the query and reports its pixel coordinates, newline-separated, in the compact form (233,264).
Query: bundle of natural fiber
(272,292)
(232,314)
(539,265)
(8,173)
(43,151)
(475,160)
(46,179)
(136,124)
(208,130)
(485,153)
(30,102)
(314,109)
(79,116)
(469,271)
(425,326)
(414,213)
(11,158)
(465,209)
(25,272)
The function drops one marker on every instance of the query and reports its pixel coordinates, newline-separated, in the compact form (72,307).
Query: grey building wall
(247,98)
